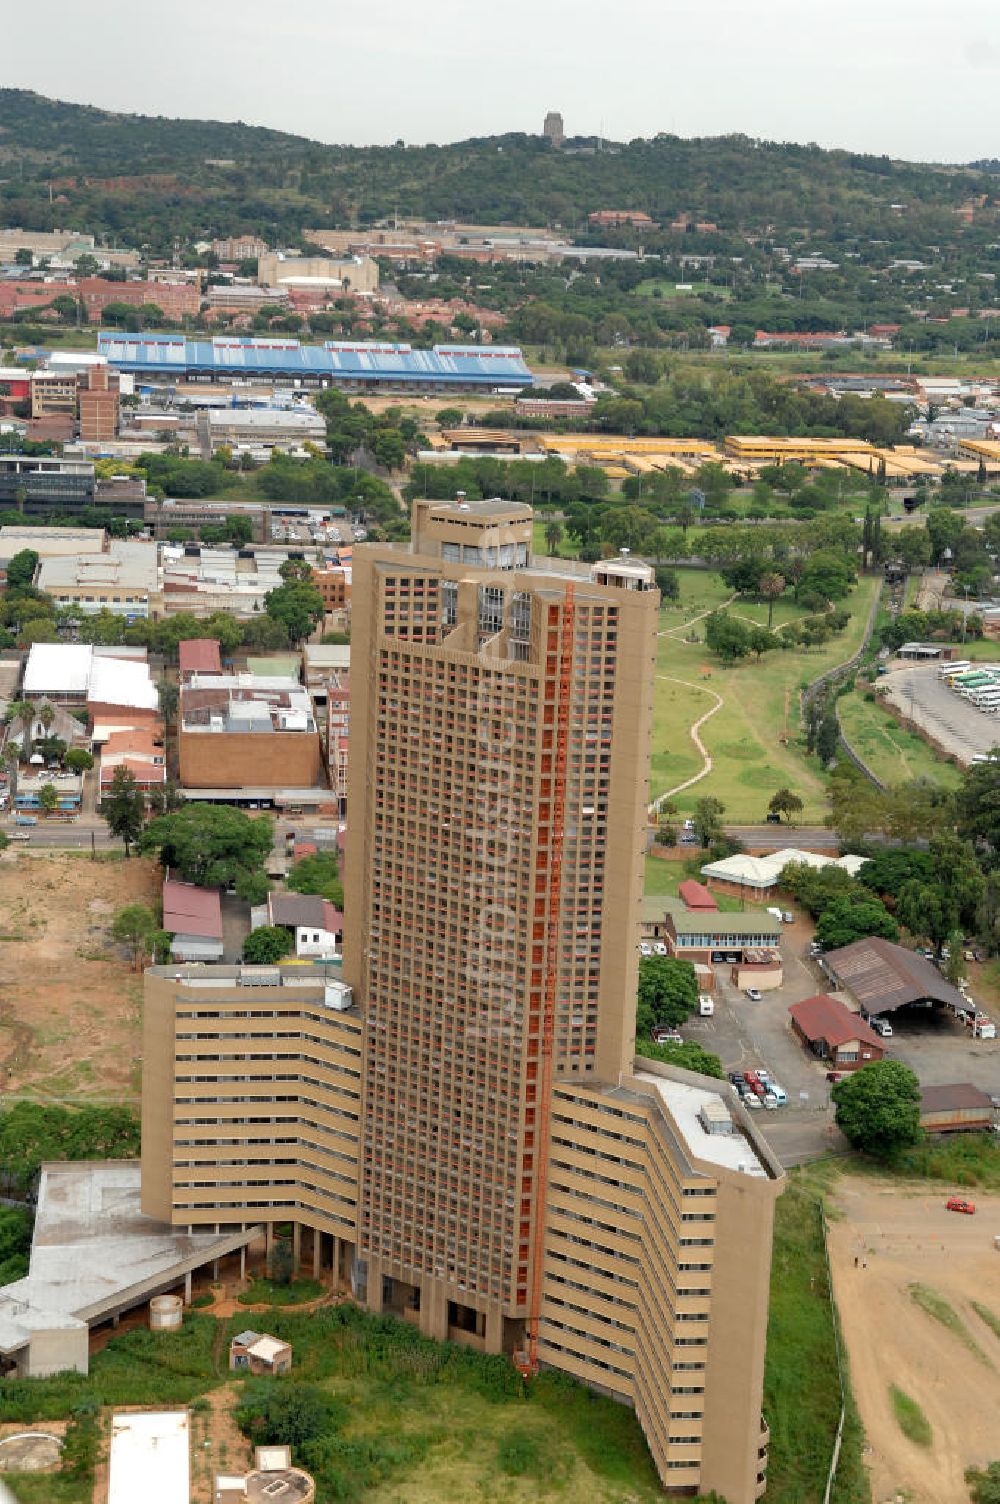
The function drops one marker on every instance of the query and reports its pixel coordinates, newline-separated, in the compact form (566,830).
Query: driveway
(746,1035)
(235,927)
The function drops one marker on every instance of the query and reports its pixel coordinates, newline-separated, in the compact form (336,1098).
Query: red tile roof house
(834,1033)
(198,655)
(194,917)
(695,895)
(138,749)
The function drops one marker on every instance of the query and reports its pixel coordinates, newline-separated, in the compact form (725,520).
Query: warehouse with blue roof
(365,365)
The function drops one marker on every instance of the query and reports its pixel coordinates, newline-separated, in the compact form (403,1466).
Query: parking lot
(746,1035)
(958,727)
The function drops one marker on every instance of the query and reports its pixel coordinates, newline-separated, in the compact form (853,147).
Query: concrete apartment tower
(461,1119)
(553,128)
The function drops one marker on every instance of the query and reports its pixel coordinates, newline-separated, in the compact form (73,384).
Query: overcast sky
(914,78)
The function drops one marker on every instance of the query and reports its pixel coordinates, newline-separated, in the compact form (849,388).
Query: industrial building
(449,1107)
(201,580)
(287,429)
(238,730)
(282,269)
(358,365)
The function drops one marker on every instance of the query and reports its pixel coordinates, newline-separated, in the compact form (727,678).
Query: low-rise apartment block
(124,579)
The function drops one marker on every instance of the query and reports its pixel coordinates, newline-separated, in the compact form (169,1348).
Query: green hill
(148,178)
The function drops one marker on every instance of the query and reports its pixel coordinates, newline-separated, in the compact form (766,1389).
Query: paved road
(777,837)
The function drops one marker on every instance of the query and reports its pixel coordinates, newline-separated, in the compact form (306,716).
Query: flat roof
(58,668)
(150,1457)
(731,1151)
(94,1252)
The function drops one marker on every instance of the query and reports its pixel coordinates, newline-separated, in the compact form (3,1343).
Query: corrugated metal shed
(350,361)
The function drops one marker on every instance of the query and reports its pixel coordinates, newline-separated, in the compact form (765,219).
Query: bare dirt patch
(70,1006)
(906,1236)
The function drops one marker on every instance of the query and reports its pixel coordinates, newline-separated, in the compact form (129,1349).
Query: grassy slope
(750,763)
(893,753)
(801,1389)
(663,877)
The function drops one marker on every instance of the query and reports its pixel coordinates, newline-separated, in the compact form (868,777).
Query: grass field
(668,289)
(893,753)
(751,760)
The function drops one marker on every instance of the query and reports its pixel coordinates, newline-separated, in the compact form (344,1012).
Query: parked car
(689,839)
(959,1204)
(835,1075)
(706,1005)
(763,1075)
(882,1027)
(737,1078)
(779,1093)
(787,917)
(771,818)
(815,949)
(754,994)
(751,1100)
(663,1034)
(770,1101)
(645,949)
(659,949)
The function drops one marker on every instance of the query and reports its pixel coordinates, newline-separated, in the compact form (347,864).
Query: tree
(984,1484)
(784,802)
(553,535)
(79,760)
(317,874)
(726,636)
(977,802)
(285,1411)
(266,945)
(168,695)
(689,1056)
(668,583)
(707,819)
(849,919)
(211,845)
(954,966)
(135,926)
(21,569)
(252,887)
(450,417)
(48,798)
(298,606)
(166,799)
(668,992)
(124,808)
(771,585)
(925,911)
(878,1108)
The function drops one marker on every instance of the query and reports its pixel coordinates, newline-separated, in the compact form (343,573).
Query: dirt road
(906,1236)
(70,1007)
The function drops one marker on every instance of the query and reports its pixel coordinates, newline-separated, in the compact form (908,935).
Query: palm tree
(23,712)
(770,587)
(553,535)
(46,715)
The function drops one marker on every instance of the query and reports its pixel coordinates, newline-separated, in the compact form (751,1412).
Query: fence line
(835,1319)
(833,676)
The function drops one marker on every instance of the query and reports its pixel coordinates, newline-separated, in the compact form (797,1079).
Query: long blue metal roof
(336,360)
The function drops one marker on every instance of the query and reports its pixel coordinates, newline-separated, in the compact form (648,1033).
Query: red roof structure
(825,1018)
(695,895)
(199,655)
(189,910)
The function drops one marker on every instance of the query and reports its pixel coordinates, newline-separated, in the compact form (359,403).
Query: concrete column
(296,1246)
(434,1310)
(243,1262)
(114,1320)
(494,1330)
(215,1269)
(268,1238)
(187,1288)
(374,1299)
(317,1252)
(335,1262)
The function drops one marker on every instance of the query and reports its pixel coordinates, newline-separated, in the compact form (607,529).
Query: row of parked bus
(979,683)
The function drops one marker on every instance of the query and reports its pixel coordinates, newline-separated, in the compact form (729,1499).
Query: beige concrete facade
(474,1131)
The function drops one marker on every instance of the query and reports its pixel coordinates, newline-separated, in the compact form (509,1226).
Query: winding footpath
(694,729)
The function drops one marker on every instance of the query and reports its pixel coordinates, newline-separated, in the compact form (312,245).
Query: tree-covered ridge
(278,182)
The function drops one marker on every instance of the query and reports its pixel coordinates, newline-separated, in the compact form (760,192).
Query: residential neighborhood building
(317,925)
(137,749)
(759,877)
(260,1354)
(192,916)
(198,655)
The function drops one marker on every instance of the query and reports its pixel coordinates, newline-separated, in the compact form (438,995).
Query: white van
(706,1005)
(882,1027)
(775,914)
(778,1092)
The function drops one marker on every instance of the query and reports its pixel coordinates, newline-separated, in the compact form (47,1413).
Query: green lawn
(663,878)
(669,289)
(761,705)
(893,753)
